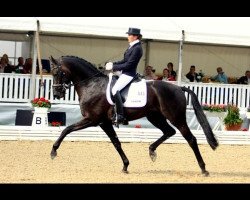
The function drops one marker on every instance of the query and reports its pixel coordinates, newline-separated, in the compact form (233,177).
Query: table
(220,115)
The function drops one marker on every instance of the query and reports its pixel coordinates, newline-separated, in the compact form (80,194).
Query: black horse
(164,101)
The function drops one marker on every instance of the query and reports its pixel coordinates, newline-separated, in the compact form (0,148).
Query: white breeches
(121,83)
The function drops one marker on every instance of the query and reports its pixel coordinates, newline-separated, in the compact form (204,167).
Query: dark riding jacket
(130,61)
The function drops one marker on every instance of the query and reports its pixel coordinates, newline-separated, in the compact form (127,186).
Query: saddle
(133,94)
(124,91)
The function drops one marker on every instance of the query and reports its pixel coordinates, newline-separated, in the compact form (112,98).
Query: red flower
(138,126)
(41,102)
(55,123)
(214,108)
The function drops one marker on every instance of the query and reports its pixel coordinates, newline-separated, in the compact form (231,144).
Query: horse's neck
(94,86)
(80,80)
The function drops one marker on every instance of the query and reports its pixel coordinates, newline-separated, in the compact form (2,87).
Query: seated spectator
(149,73)
(244,79)
(192,75)
(166,76)
(170,67)
(5,67)
(221,77)
(2,65)
(20,66)
(27,68)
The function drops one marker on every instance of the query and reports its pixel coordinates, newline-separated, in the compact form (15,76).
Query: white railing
(215,93)
(17,87)
(14,87)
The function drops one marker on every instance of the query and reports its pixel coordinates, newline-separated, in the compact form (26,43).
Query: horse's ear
(53,60)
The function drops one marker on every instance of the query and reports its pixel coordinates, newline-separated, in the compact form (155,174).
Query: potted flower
(55,123)
(214,108)
(41,103)
(233,120)
(41,106)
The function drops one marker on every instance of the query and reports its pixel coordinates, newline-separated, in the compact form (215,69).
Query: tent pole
(180,58)
(147,52)
(33,76)
(39,58)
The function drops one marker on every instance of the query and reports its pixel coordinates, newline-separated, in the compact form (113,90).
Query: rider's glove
(109,66)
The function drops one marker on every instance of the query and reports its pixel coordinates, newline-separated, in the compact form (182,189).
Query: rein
(84,80)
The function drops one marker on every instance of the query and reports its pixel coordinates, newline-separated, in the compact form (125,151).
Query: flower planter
(215,114)
(248,115)
(41,110)
(40,117)
(235,127)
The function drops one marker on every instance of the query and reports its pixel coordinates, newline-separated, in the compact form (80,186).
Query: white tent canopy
(211,30)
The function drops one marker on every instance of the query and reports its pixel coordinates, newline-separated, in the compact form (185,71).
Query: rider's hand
(109,66)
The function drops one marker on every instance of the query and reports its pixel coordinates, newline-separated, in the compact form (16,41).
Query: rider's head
(134,34)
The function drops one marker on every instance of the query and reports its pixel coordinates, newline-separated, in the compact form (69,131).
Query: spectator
(244,79)
(20,66)
(166,76)
(149,73)
(5,67)
(172,73)
(2,65)
(221,77)
(6,58)
(27,66)
(192,75)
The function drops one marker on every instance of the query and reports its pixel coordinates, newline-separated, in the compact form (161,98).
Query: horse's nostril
(57,96)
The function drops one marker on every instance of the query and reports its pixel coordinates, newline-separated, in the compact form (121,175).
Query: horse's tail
(212,141)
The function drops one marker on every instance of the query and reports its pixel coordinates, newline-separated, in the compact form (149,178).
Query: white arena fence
(17,87)
(147,135)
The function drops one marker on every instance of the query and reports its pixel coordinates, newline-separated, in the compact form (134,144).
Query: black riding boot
(119,108)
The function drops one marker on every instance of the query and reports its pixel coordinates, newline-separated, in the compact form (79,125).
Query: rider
(128,67)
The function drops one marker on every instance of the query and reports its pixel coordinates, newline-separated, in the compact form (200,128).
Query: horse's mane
(85,62)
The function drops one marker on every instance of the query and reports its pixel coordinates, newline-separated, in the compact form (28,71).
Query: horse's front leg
(85,123)
(108,128)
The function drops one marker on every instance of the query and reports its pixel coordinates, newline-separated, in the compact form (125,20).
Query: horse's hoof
(152,155)
(205,173)
(125,171)
(53,154)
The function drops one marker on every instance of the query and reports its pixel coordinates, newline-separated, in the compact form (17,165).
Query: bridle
(62,74)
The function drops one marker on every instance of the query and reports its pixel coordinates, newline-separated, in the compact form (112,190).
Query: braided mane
(85,62)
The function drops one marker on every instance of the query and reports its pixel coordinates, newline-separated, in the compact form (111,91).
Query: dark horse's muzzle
(59,91)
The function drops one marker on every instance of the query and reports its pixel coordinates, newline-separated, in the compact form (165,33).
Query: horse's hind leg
(159,121)
(108,128)
(191,139)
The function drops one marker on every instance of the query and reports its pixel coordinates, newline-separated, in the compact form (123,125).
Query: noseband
(60,73)
(63,85)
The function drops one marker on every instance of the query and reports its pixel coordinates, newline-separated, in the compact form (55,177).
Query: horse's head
(61,78)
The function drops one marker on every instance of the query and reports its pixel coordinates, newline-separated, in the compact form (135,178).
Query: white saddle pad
(137,94)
